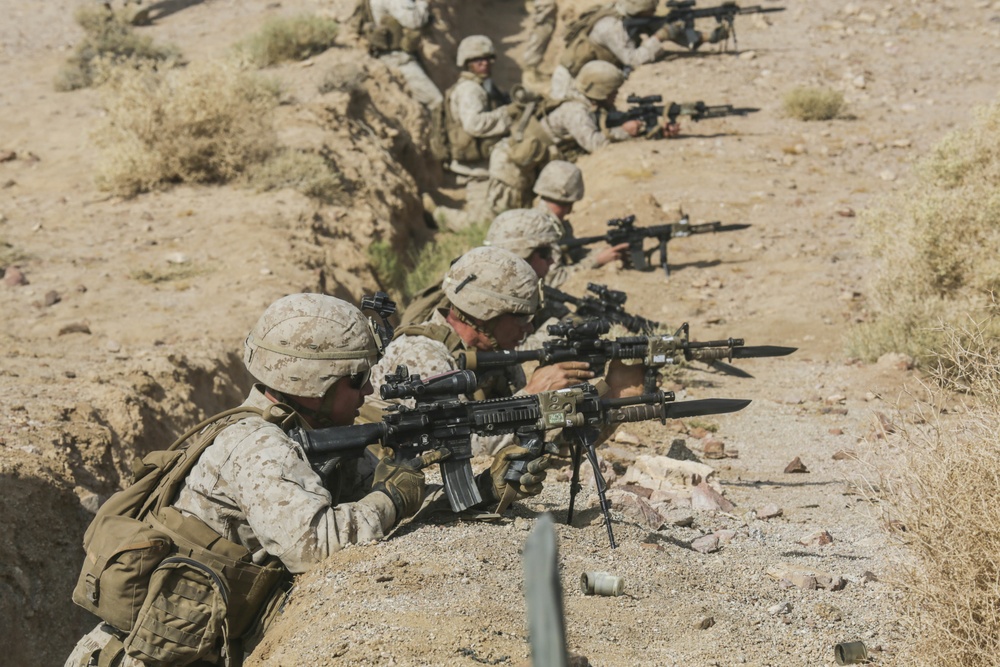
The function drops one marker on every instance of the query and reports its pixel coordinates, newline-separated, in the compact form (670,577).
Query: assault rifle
(605,304)
(645,109)
(441,420)
(685,12)
(623,230)
(583,342)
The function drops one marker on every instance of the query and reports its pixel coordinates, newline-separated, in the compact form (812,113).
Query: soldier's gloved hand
(721,33)
(530,483)
(404,482)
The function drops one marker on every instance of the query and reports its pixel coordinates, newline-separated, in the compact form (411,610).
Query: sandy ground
(74,407)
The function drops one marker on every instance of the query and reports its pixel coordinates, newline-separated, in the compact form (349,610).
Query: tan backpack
(172,585)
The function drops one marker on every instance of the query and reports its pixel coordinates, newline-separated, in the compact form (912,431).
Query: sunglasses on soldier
(357,381)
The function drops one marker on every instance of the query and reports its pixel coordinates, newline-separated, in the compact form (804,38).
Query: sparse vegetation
(170,273)
(10,255)
(807,103)
(310,173)
(936,248)
(429,262)
(109,41)
(203,124)
(938,494)
(290,38)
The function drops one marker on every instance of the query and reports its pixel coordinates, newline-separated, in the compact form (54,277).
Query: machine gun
(623,230)
(441,420)
(646,109)
(583,342)
(684,11)
(605,304)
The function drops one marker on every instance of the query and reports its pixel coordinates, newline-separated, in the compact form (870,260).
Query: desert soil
(111,364)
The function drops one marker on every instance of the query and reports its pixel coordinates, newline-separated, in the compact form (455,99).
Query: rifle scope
(588,329)
(605,293)
(452,383)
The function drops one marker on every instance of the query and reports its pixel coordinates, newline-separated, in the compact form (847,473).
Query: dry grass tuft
(813,103)
(940,488)
(311,174)
(936,248)
(203,124)
(289,39)
(424,266)
(109,41)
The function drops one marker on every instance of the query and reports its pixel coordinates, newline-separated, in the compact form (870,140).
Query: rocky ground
(110,365)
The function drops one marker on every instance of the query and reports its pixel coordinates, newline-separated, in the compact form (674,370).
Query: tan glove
(404,482)
(494,485)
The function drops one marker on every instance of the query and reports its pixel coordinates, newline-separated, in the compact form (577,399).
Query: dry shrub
(813,103)
(204,124)
(292,38)
(311,174)
(425,266)
(938,493)
(936,243)
(109,41)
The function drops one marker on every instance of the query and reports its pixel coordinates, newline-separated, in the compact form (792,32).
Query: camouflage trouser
(475,209)
(509,185)
(543,24)
(420,85)
(90,646)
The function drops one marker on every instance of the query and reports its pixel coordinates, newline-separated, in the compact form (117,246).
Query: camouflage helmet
(487,282)
(521,230)
(472,47)
(303,343)
(633,7)
(560,181)
(599,79)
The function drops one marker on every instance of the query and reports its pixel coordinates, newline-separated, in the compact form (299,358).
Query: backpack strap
(442,333)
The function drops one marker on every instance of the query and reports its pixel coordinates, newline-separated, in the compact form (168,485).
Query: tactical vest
(462,146)
(423,305)
(531,143)
(493,384)
(175,589)
(580,49)
(385,36)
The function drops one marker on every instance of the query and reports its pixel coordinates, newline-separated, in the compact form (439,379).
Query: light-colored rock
(896,361)
(714,449)
(820,538)
(706,544)
(725,536)
(627,438)
(177,258)
(770,511)
(887,175)
(667,474)
(704,622)
(845,455)
(636,508)
(796,466)
(705,498)
(780,609)
(14,277)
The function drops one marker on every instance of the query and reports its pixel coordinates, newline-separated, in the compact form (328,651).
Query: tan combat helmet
(304,343)
(633,7)
(561,182)
(488,282)
(599,79)
(521,230)
(472,47)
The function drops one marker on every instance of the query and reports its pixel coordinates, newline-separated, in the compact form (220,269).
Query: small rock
(870,396)
(704,623)
(704,497)
(818,539)
(265,272)
(796,466)
(637,509)
(846,212)
(845,455)
(7,156)
(827,612)
(896,361)
(177,258)
(830,582)
(74,327)
(835,399)
(780,609)
(860,82)
(113,346)
(640,491)
(679,518)
(652,546)
(748,55)
(698,432)
(626,438)
(725,536)
(802,581)
(902,143)
(13,277)
(88,499)
(9,183)
(887,175)
(52,298)
(770,511)
(836,431)
(714,449)
(868,577)
(706,544)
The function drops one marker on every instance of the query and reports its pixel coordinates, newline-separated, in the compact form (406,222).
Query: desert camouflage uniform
(427,357)
(509,185)
(574,123)
(254,487)
(469,103)
(609,33)
(412,14)
(543,24)
(567,264)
